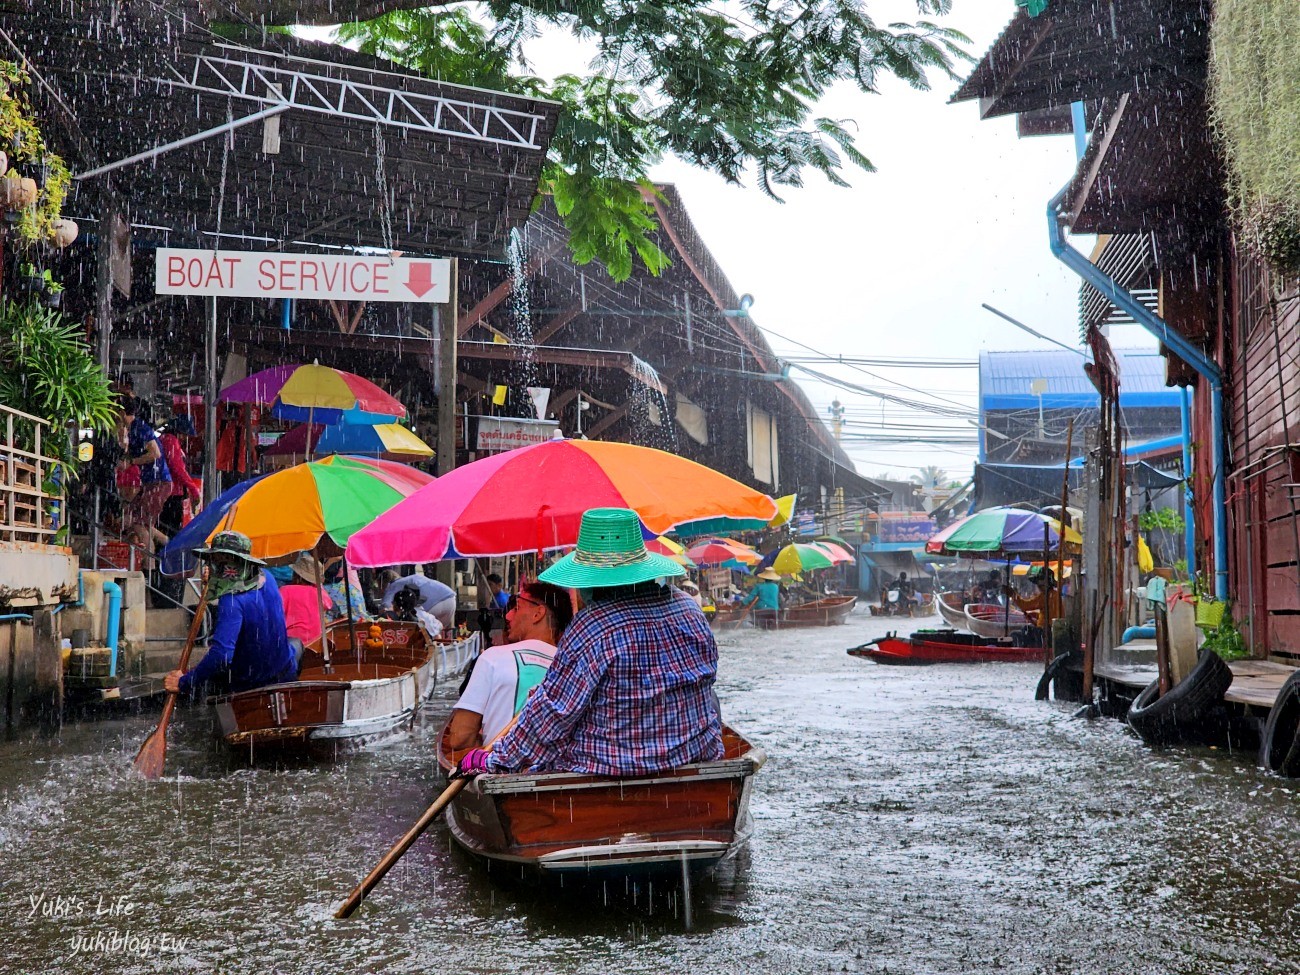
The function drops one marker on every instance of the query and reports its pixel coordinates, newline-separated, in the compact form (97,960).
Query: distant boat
(942,646)
(994,620)
(830,611)
(952,607)
(728,617)
(570,824)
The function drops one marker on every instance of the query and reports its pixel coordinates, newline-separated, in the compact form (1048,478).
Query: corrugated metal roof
(1008,375)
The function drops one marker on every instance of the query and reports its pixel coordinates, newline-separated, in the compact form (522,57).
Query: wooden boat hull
(562,824)
(824,612)
(729,617)
(931,648)
(952,607)
(366,696)
(991,620)
(922,605)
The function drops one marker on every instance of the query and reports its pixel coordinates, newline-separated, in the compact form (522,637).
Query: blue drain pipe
(1194,357)
(114,623)
(1138,633)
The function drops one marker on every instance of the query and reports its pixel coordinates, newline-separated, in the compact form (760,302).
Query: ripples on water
(909,821)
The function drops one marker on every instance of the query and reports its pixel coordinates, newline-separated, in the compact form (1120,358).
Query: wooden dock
(1254,682)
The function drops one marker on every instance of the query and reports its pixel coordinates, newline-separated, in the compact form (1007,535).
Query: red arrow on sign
(419,278)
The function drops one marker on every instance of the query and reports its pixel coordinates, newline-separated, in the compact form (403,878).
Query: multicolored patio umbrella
(839,555)
(389,440)
(796,558)
(723,553)
(665,546)
(1002,533)
(532,499)
(316,394)
(295,509)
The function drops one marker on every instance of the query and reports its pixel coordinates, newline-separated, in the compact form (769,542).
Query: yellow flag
(499,395)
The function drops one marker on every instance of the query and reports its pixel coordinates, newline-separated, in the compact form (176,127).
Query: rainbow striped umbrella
(316,394)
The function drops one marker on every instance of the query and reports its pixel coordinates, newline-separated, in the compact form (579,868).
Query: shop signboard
(265,274)
(498,433)
(905,527)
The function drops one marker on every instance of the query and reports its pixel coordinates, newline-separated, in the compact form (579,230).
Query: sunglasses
(515,599)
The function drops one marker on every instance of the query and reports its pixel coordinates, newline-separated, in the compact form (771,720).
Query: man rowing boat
(631,688)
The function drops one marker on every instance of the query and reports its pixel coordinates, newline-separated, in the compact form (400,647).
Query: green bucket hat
(231,543)
(610,552)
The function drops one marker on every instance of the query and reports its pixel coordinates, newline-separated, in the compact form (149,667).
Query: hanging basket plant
(1254,103)
(43,175)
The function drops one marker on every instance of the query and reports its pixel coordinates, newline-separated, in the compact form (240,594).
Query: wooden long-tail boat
(942,646)
(728,617)
(368,692)
(567,824)
(993,620)
(952,607)
(830,611)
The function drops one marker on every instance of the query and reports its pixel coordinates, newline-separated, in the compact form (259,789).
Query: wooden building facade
(1152,183)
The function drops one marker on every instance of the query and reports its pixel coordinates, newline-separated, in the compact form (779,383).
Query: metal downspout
(1194,357)
(1189,512)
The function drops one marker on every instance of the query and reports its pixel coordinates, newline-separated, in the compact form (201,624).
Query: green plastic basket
(1209,613)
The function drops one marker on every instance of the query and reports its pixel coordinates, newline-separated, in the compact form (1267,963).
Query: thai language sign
(261,274)
(908,528)
(497,433)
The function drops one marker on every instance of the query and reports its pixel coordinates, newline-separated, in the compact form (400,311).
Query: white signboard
(496,434)
(259,274)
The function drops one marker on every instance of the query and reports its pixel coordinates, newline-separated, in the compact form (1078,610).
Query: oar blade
(152,757)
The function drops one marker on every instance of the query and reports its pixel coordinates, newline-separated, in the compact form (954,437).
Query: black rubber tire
(1182,714)
(1050,674)
(1279,744)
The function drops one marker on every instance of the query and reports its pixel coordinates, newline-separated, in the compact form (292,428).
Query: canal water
(909,820)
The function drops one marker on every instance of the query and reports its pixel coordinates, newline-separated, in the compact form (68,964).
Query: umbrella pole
(357,645)
(1006,609)
(320,609)
(311,411)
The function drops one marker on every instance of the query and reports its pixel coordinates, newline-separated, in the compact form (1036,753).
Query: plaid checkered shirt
(630,692)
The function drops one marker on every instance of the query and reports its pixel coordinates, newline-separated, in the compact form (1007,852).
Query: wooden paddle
(151,758)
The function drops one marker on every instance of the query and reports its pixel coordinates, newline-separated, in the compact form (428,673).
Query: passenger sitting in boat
(248,638)
(692,590)
(631,688)
(766,592)
(989,589)
(503,676)
(1047,594)
(303,600)
(436,598)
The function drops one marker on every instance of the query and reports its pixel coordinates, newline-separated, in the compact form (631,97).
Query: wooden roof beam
(563,319)
(503,290)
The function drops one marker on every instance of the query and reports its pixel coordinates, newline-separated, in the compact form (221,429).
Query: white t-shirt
(502,678)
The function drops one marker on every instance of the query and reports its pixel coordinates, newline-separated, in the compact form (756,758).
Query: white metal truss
(278,88)
(292,87)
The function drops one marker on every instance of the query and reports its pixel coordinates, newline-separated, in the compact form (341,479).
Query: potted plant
(30,279)
(51,290)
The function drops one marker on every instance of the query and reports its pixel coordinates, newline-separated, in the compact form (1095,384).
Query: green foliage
(1166,519)
(677,76)
(47,370)
(1226,640)
(1254,103)
(21,138)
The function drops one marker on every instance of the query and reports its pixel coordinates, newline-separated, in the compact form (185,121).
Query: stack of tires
(1192,711)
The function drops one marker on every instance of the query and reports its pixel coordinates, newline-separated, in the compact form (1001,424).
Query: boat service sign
(262,274)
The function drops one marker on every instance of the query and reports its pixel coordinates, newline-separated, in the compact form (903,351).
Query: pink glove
(473,762)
